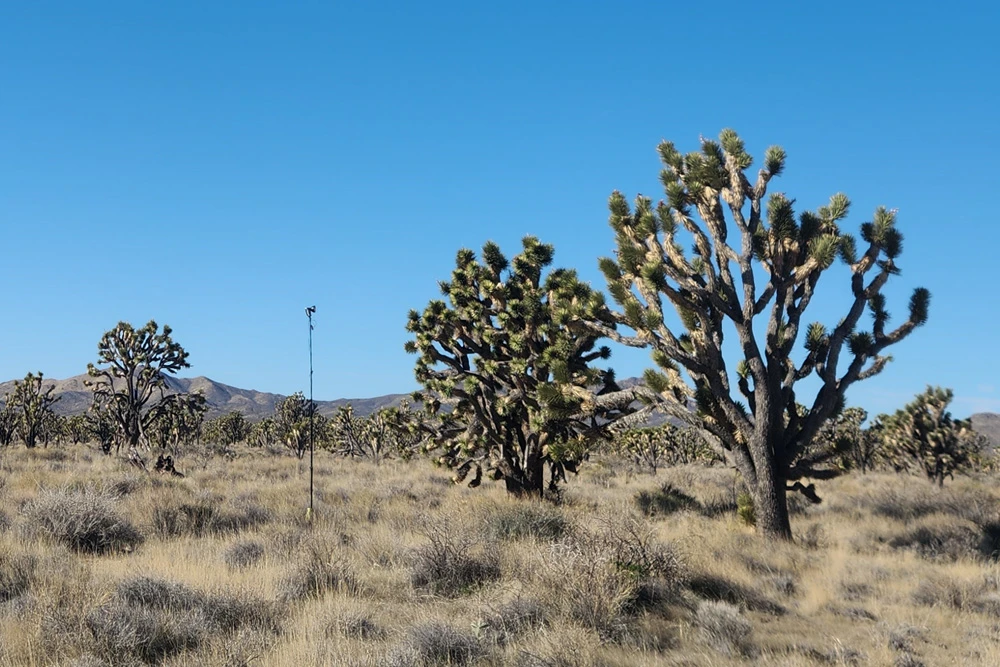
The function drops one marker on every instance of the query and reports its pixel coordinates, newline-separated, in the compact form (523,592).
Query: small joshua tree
(8,422)
(292,423)
(130,388)
(665,445)
(263,433)
(179,421)
(384,433)
(32,407)
(851,446)
(924,434)
(505,352)
(77,429)
(229,429)
(719,288)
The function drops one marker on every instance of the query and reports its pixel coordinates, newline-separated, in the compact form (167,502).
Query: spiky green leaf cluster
(509,362)
(925,435)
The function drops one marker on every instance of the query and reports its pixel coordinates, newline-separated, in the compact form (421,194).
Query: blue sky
(220,166)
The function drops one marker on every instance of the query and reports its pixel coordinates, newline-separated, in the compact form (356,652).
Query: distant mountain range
(75,398)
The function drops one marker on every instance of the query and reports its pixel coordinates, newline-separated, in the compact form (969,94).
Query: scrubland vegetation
(103,564)
(703,541)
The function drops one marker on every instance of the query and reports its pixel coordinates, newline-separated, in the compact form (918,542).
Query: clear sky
(218,166)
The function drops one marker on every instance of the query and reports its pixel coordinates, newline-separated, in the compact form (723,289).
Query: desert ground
(104,564)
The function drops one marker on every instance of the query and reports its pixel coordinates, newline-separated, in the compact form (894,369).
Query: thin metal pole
(312,409)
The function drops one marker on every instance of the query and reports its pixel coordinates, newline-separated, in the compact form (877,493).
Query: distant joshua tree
(924,434)
(32,408)
(293,423)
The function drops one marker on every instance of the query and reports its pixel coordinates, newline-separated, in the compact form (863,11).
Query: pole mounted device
(310,310)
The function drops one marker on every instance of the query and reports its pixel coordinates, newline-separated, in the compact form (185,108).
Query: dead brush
(150,619)
(725,629)
(243,554)
(208,514)
(17,571)
(319,569)
(85,519)
(451,565)
(506,621)
(435,643)
(525,519)
(355,624)
(123,634)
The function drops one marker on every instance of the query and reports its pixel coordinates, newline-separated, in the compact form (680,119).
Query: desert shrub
(665,500)
(940,591)
(318,571)
(5,521)
(355,625)
(724,629)
(223,612)
(160,593)
(125,486)
(16,575)
(838,655)
(584,586)
(227,612)
(714,588)
(568,646)
(538,520)
(207,514)
(940,541)
(448,565)
(516,616)
(85,660)
(782,584)
(85,520)
(124,633)
(918,501)
(242,515)
(150,619)
(631,546)
(908,660)
(243,554)
(601,579)
(435,643)
(856,590)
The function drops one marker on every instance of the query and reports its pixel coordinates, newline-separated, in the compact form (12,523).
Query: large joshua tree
(507,377)
(753,270)
(130,389)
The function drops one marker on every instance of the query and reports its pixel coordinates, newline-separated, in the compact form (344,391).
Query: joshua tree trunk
(529,480)
(771,504)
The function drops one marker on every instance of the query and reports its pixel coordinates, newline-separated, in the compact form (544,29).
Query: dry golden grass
(402,568)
